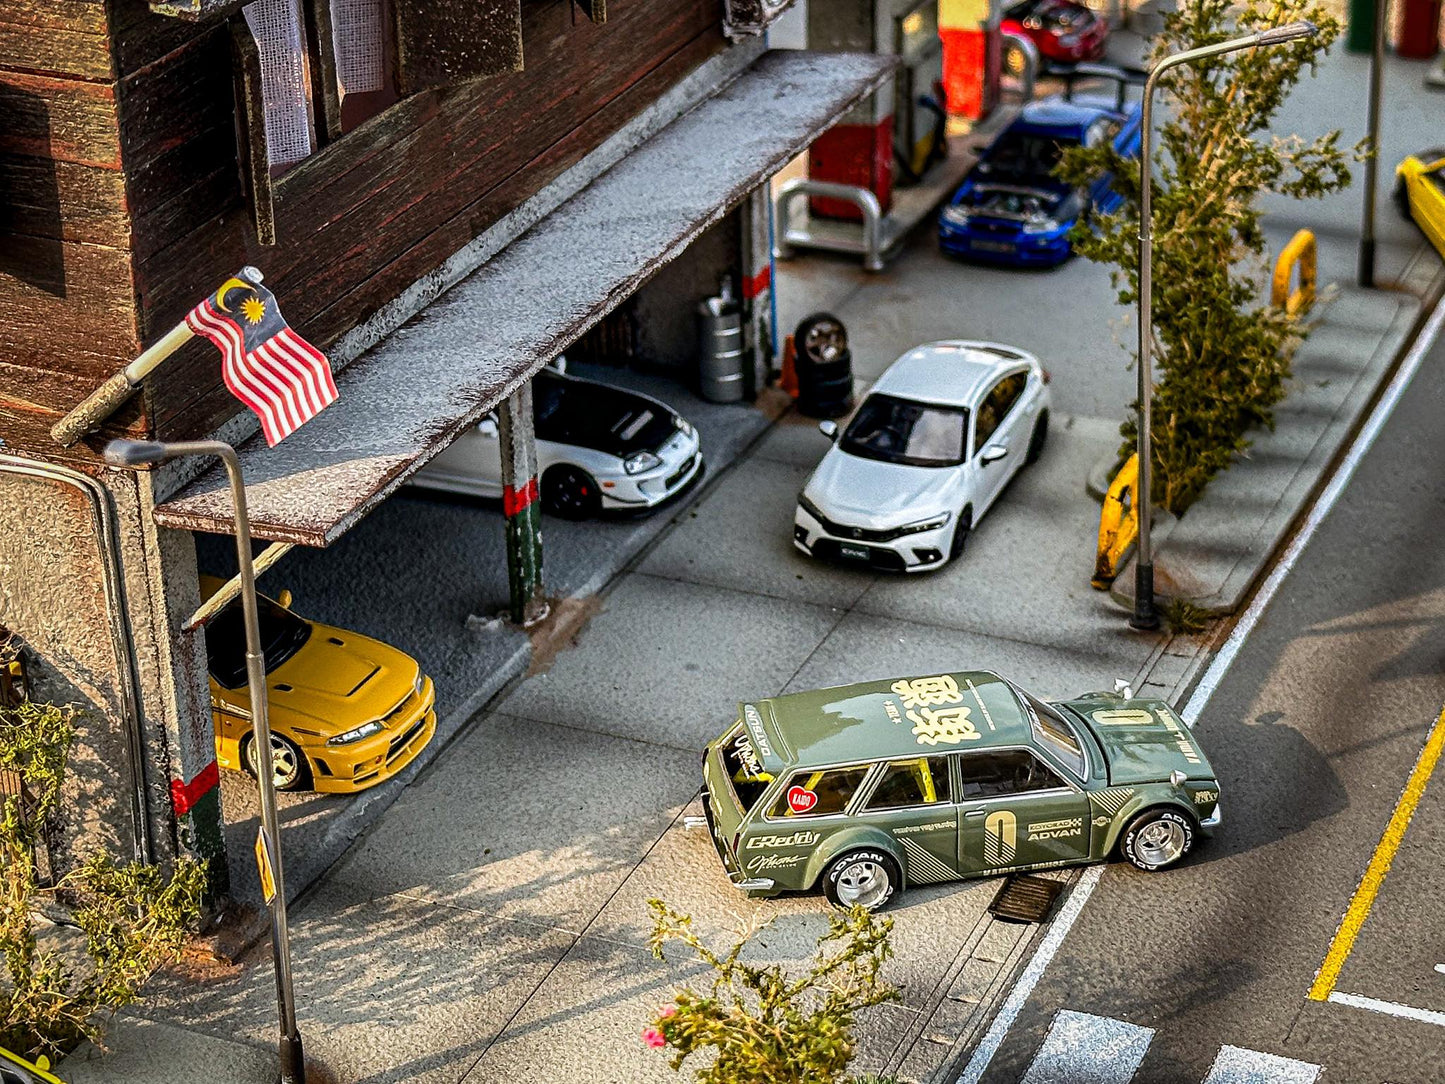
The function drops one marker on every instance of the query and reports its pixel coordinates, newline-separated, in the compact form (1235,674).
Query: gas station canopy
(410,395)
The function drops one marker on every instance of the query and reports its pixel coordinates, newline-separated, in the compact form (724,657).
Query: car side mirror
(284,599)
(829,429)
(993,453)
(487,427)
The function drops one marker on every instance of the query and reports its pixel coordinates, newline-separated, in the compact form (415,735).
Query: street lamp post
(1145,616)
(1372,163)
(140,453)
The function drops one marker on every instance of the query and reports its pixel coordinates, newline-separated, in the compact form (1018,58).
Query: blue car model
(1011,209)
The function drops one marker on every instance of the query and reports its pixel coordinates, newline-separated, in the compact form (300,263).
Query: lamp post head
(1278,35)
(135,453)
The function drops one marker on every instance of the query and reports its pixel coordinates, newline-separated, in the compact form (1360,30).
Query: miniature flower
(666,1011)
(653,1038)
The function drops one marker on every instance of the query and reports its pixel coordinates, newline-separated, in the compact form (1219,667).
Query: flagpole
(107,399)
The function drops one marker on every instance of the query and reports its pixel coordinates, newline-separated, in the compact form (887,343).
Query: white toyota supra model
(926,454)
(598,447)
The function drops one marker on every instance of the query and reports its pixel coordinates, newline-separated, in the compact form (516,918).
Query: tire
(1157,839)
(1402,199)
(868,876)
(960,534)
(1038,439)
(292,770)
(571,493)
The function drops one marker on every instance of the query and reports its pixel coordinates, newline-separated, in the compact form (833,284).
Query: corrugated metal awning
(409,396)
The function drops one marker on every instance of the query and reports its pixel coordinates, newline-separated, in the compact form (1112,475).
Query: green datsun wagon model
(867,788)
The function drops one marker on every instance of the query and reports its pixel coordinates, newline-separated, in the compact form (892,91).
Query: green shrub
(1222,352)
(117,923)
(765,1026)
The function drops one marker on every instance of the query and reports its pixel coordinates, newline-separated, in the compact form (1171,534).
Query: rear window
(744,769)
(817,794)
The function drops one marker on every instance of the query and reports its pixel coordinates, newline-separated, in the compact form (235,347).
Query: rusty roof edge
(204,504)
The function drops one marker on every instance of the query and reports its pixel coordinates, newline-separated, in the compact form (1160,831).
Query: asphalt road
(1314,731)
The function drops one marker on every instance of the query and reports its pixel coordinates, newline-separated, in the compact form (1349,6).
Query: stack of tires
(824,367)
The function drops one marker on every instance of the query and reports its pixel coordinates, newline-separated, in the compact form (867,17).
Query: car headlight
(957,214)
(685,427)
(930,524)
(1041,224)
(640,462)
(809,507)
(356,734)
(419,683)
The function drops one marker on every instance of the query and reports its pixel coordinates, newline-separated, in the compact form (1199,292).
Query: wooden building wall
(127,154)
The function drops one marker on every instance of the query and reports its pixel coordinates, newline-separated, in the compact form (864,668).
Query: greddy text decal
(797,839)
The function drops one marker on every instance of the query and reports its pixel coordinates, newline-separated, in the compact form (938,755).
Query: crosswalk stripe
(1085,1049)
(1236,1065)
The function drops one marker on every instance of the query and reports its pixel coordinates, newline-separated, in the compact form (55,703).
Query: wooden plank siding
(367,216)
(126,203)
(66,274)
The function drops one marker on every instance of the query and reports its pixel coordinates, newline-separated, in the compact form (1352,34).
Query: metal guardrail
(1301,252)
(791,235)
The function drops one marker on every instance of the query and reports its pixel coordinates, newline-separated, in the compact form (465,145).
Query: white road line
(1085,1049)
(1235,1065)
(1346,470)
(1218,666)
(1008,1013)
(1389,1008)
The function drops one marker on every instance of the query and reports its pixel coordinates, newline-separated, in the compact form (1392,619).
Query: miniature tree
(131,918)
(765,1026)
(1222,354)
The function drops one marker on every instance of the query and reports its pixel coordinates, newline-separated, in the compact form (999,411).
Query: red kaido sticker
(800,800)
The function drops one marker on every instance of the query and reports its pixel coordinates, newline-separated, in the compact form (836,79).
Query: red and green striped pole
(519,505)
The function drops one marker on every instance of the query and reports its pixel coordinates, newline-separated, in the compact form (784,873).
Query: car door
(1017,811)
(999,448)
(913,800)
(473,461)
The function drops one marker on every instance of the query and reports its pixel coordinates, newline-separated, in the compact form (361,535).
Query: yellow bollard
(1118,524)
(1301,251)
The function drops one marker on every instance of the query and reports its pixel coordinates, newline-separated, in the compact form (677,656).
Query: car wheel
(1402,198)
(290,768)
(1039,438)
(867,878)
(1157,839)
(960,534)
(570,492)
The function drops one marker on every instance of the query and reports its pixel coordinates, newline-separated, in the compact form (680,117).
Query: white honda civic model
(598,447)
(927,453)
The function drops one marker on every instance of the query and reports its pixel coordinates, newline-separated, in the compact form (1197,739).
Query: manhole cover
(1025,898)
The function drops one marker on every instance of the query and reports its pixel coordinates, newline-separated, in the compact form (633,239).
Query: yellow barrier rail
(1118,524)
(1301,252)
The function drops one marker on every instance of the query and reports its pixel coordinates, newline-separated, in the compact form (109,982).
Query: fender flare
(1143,805)
(850,839)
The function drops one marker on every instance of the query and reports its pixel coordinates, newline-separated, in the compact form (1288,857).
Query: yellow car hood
(337,680)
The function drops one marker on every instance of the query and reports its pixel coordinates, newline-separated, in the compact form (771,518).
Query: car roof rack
(1121,75)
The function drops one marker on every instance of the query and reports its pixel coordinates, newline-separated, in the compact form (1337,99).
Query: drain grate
(1025,898)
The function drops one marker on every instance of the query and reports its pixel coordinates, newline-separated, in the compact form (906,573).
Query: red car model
(1063,30)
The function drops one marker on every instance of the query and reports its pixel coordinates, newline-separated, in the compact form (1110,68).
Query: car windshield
(1056,734)
(1026,155)
(282,634)
(902,431)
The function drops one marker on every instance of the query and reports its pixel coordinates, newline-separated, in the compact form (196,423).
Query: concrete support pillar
(519,504)
(760,336)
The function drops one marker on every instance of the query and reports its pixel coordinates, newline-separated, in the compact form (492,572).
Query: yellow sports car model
(16,1070)
(347,711)
(1420,192)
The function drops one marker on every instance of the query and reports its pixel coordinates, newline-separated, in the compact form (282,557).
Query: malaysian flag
(270,368)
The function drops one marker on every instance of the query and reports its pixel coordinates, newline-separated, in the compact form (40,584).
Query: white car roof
(950,372)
